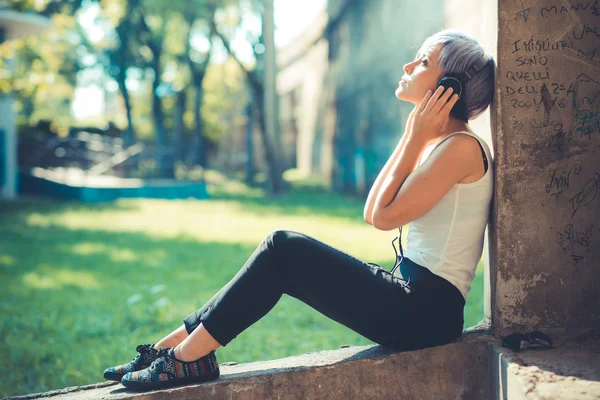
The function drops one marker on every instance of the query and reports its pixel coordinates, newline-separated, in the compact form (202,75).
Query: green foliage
(49,67)
(224,100)
(46,7)
(84,284)
(25,5)
(46,72)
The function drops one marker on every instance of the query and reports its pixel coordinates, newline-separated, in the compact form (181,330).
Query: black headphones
(458,82)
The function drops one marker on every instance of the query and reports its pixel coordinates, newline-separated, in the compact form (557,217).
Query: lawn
(82,285)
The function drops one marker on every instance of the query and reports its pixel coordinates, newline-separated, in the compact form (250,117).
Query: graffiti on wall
(555,81)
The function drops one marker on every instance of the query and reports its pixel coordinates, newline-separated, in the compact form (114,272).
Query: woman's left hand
(433,114)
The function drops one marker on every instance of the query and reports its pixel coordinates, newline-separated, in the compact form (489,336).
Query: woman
(437,178)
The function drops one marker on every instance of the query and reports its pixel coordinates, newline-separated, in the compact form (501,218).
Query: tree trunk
(275,184)
(129,137)
(198,153)
(249,144)
(179,125)
(200,142)
(163,167)
(123,31)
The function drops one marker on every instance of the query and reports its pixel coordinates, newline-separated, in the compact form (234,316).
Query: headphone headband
(478,66)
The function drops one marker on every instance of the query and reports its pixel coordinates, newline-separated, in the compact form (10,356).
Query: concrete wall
(548,175)
(302,66)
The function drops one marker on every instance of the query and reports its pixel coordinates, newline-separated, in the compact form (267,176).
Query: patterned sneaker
(143,360)
(168,371)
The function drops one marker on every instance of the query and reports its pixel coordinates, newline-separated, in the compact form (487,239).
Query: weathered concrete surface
(455,371)
(474,367)
(568,372)
(546,211)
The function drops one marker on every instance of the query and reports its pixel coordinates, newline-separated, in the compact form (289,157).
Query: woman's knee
(284,243)
(278,238)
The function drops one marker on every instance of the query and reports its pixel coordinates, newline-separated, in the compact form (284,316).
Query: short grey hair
(458,52)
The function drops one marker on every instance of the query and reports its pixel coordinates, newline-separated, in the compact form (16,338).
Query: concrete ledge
(351,373)
(570,371)
(474,367)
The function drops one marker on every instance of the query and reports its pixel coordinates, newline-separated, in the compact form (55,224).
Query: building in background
(302,65)
(337,82)
(368,48)
(13,25)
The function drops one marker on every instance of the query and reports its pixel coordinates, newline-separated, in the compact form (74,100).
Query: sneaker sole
(117,376)
(143,386)
(113,376)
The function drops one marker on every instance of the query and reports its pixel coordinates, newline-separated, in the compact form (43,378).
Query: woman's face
(420,76)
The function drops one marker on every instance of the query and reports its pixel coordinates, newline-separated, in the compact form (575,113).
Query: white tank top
(448,239)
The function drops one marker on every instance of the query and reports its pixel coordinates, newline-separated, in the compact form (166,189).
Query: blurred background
(148,146)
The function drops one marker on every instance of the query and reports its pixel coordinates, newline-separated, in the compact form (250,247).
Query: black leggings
(363,297)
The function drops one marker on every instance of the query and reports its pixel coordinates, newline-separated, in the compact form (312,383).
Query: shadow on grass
(85,298)
(75,301)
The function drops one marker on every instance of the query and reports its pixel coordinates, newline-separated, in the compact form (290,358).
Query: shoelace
(160,356)
(163,351)
(399,259)
(143,349)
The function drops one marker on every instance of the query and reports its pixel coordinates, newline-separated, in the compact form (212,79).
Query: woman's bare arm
(373,193)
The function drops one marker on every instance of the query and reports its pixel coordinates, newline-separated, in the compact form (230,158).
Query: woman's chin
(400,95)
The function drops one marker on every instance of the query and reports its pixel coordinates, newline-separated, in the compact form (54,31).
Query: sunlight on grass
(116,254)
(39,220)
(7,260)
(204,220)
(88,282)
(87,248)
(51,278)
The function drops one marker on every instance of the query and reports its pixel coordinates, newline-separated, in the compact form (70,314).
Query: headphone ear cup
(459,110)
(451,82)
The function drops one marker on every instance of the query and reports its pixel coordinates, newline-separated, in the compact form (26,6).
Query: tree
(276,184)
(120,58)
(47,66)
(153,19)
(198,64)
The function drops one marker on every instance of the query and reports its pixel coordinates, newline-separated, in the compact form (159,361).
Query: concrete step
(569,371)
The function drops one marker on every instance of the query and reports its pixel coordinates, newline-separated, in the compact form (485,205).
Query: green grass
(82,285)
